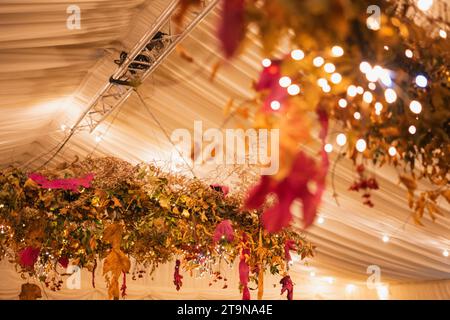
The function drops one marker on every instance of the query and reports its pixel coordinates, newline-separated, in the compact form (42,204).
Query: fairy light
(412,129)
(337,51)
(424,5)
(443,34)
(392,151)
(359,90)
(361,145)
(341,139)
(378,108)
(312,274)
(326,88)
(445,253)
(266,63)
(367,97)
(297,54)
(63,127)
(328,147)
(342,103)
(386,48)
(330,280)
(329,67)
(350,288)
(365,67)
(320,220)
(336,78)
(275,105)
(421,81)
(293,89)
(372,86)
(415,107)
(385,238)
(390,96)
(351,91)
(98,138)
(322,82)
(318,61)
(408,53)
(357,115)
(372,75)
(385,77)
(285,82)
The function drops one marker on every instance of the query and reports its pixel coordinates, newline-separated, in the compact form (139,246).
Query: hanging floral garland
(108,209)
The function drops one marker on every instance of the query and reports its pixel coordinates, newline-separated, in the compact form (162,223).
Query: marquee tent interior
(49,74)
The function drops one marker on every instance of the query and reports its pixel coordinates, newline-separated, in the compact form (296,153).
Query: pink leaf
(28,257)
(289,245)
(64,262)
(287,285)
(177,277)
(72,184)
(232,26)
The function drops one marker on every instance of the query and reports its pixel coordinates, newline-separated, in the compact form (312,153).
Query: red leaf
(177,277)
(224,229)
(28,257)
(232,26)
(287,285)
(289,245)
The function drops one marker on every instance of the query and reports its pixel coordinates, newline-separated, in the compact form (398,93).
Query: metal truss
(137,65)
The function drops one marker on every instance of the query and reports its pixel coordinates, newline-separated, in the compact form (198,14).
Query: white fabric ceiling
(49,73)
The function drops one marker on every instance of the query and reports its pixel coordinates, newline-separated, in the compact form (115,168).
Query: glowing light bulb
(443,34)
(285,82)
(336,78)
(312,274)
(98,138)
(357,115)
(326,88)
(361,145)
(297,54)
(318,61)
(352,91)
(329,67)
(372,86)
(367,97)
(445,253)
(320,220)
(390,96)
(386,48)
(365,67)
(328,147)
(408,53)
(341,139)
(275,105)
(266,63)
(378,108)
(322,82)
(385,238)
(385,77)
(342,103)
(421,81)
(392,151)
(350,288)
(359,90)
(337,51)
(415,107)
(412,129)
(63,127)
(293,89)
(424,5)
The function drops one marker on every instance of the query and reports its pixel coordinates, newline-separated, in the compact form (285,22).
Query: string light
(297,54)
(424,5)
(63,127)
(390,95)
(445,253)
(342,103)
(328,147)
(361,145)
(408,53)
(443,34)
(350,288)
(421,81)
(385,238)
(336,78)
(266,63)
(378,108)
(357,115)
(293,89)
(312,274)
(412,129)
(329,67)
(285,82)
(415,107)
(365,67)
(360,90)
(337,51)
(392,151)
(386,48)
(326,88)
(372,86)
(320,220)
(385,77)
(322,82)
(275,105)
(367,97)
(341,139)
(318,61)
(351,91)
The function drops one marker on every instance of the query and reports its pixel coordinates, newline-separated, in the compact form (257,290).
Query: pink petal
(232,26)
